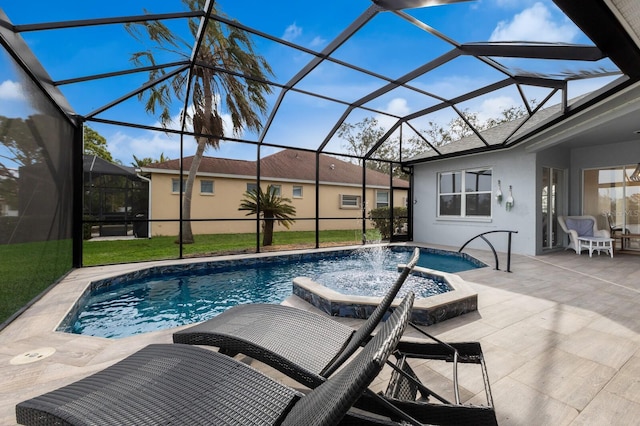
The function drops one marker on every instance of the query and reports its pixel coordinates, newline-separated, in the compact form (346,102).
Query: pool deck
(560,334)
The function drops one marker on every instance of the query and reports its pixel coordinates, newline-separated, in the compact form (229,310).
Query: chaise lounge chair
(303,345)
(188,385)
(310,348)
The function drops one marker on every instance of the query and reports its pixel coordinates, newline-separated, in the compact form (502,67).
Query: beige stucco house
(221,184)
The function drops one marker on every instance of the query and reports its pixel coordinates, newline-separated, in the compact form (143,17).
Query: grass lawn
(29,268)
(101,252)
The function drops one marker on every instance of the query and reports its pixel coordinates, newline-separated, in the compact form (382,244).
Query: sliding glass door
(550,202)
(613,198)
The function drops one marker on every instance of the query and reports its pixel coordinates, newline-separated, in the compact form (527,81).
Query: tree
(143,162)
(223,48)
(457,128)
(272,208)
(96,144)
(363,136)
(19,148)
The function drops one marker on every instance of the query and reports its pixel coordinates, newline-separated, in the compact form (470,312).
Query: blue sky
(388,45)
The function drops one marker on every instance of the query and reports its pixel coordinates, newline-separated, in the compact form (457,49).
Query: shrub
(381,219)
(86,227)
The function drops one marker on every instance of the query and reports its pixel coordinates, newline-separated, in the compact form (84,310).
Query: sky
(387,45)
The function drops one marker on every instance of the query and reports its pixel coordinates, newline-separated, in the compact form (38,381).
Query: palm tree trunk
(267,238)
(187,233)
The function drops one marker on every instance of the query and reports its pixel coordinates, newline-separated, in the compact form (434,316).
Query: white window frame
(278,190)
(251,186)
(356,204)
(175,185)
(293,191)
(213,187)
(387,203)
(463,193)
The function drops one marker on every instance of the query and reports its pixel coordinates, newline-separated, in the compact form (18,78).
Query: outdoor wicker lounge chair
(188,385)
(577,227)
(303,345)
(310,348)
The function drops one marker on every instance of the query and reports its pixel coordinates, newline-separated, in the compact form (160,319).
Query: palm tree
(271,207)
(145,161)
(223,48)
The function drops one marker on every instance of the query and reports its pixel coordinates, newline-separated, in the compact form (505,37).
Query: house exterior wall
(514,167)
(229,192)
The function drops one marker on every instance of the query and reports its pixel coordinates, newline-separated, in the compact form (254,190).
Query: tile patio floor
(561,337)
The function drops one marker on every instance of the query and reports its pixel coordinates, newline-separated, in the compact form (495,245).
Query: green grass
(29,268)
(157,248)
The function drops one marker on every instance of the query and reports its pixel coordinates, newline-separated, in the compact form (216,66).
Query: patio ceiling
(407,63)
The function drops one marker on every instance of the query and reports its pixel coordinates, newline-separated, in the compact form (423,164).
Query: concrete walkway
(560,333)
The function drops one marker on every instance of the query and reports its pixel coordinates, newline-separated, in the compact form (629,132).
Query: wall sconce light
(509,203)
(635,176)
(499,193)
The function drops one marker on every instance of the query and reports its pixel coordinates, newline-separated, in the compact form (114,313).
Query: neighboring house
(221,184)
(567,168)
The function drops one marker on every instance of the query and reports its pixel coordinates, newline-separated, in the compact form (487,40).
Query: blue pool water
(173,296)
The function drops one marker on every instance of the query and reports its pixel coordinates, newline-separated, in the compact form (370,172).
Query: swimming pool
(164,297)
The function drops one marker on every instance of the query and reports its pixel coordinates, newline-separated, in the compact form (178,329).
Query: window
(350,201)
(297,191)
(382,199)
(465,193)
(206,187)
(175,185)
(251,187)
(276,190)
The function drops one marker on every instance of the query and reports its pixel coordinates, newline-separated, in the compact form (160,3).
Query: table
(596,244)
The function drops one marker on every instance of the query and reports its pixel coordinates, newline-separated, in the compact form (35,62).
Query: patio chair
(580,226)
(182,384)
(303,345)
(613,228)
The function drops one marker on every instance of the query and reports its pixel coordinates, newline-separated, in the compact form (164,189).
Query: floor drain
(32,356)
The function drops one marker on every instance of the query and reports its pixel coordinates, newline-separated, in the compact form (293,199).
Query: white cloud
(396,106)
(318,42)
(292,32)
(11,90)
(535,24)
(493,107)
(150,144)
(124,146)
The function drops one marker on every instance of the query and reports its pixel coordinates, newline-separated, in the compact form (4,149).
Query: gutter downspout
(149,206)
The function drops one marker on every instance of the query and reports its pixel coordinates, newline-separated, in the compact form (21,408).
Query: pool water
(167,300)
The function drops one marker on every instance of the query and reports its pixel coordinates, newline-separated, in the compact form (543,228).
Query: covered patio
(560,333)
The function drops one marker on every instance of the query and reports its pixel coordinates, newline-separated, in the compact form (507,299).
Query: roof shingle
(287,164)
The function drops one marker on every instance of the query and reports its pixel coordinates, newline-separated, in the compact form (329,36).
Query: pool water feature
(169,296)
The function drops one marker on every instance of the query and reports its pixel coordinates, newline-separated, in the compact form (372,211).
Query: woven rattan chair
(187,385)
(303,345)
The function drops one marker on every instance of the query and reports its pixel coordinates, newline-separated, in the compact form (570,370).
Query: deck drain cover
(32,356)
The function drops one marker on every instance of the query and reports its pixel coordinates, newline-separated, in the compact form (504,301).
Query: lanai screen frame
(610,41)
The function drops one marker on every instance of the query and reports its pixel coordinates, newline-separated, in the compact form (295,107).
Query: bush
(87,225)
(8,225)
(381,219)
